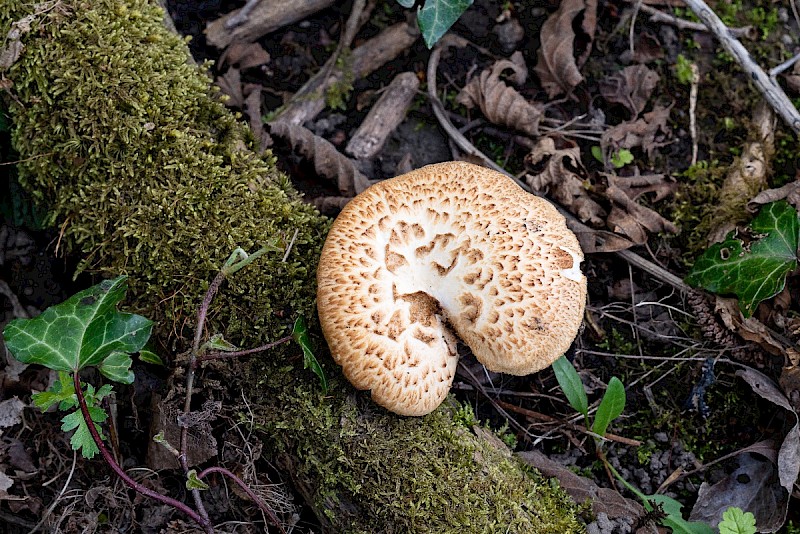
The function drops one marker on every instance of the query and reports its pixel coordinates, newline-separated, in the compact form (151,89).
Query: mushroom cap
(450,248)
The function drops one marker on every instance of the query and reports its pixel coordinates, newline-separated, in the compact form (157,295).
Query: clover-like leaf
(81,331)
(436,17)
(300,336)
(755,271)
(82,439)
(62,392)
(737,521)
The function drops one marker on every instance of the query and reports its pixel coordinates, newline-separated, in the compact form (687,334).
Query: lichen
(147,174)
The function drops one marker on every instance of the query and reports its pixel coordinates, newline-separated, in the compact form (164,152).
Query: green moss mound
(147,174)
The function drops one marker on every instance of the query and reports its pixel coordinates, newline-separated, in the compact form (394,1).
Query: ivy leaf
(406,3)
(570,382)
(611,406)
(300,336)
(81,331)
(193,482)
(436,17)
(82,439)
(736,521)
(756,271)
(117,367)
(149,355)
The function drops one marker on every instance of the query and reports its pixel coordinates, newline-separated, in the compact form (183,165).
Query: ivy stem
(250,493)
(109,458)
(236,354)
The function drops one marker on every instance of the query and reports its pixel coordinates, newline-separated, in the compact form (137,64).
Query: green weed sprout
(87,330)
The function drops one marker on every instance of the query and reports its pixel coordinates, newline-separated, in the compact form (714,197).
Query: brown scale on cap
(449,249)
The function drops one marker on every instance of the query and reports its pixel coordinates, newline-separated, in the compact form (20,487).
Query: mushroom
(449,249)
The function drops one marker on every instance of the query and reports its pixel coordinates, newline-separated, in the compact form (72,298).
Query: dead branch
(386,115)
(260,19)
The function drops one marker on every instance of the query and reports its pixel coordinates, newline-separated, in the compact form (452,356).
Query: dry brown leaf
(752,487)
(596,240)
(630,218)
(500,103)
(631,87)
(649,132)
(561,175)
(750,329)
(556,66)
(10,412)
(244,55)
(328,161)
(789,192)
(230,84)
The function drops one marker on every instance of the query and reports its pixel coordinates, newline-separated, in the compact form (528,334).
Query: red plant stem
(109,458)
(239,353)
(250,493)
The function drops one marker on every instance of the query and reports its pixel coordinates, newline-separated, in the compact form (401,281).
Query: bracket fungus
(451,249)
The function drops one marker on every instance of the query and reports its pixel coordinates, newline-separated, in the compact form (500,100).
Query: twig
(692,109)
(55,502)
(549,419)
(769,88)
(683,24)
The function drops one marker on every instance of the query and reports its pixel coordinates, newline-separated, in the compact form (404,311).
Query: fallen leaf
(649,132)
(11,412)
(230,84)
(789,192)
(596,240)
(750,329)
(751,487)
(630,218)
(244,55)
(561,175)
(631,87)
(328,161)
(500,103)
(556,66)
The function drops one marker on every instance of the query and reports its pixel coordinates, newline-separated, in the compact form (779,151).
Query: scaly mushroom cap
(448,247)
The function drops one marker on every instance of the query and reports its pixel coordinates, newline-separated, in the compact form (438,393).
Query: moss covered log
(125,142)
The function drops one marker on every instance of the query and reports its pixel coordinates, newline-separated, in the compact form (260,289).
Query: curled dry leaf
(789,192)
(557,68)
(561,175)
(649,132)
(631,87)
(328,161)
(244,55)
(500,103)
(630,218)
(230,84)
(750,329)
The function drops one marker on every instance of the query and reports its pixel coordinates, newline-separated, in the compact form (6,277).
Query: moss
(147,174)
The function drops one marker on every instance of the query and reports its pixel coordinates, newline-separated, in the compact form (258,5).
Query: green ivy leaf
(117,367)
(82,439)
(217,343)
(611,406)
(300,336)
(149,355)
(737,521)
(193,482)
(757,271)
(82,331)
(436,17)
(406,3)
(571,385)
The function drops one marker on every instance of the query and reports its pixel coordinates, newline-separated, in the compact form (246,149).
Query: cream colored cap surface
(449,249)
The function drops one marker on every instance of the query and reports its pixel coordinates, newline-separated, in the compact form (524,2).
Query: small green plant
(619,158)
(87,330)
(437,16)
(683,70)
(754,269)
